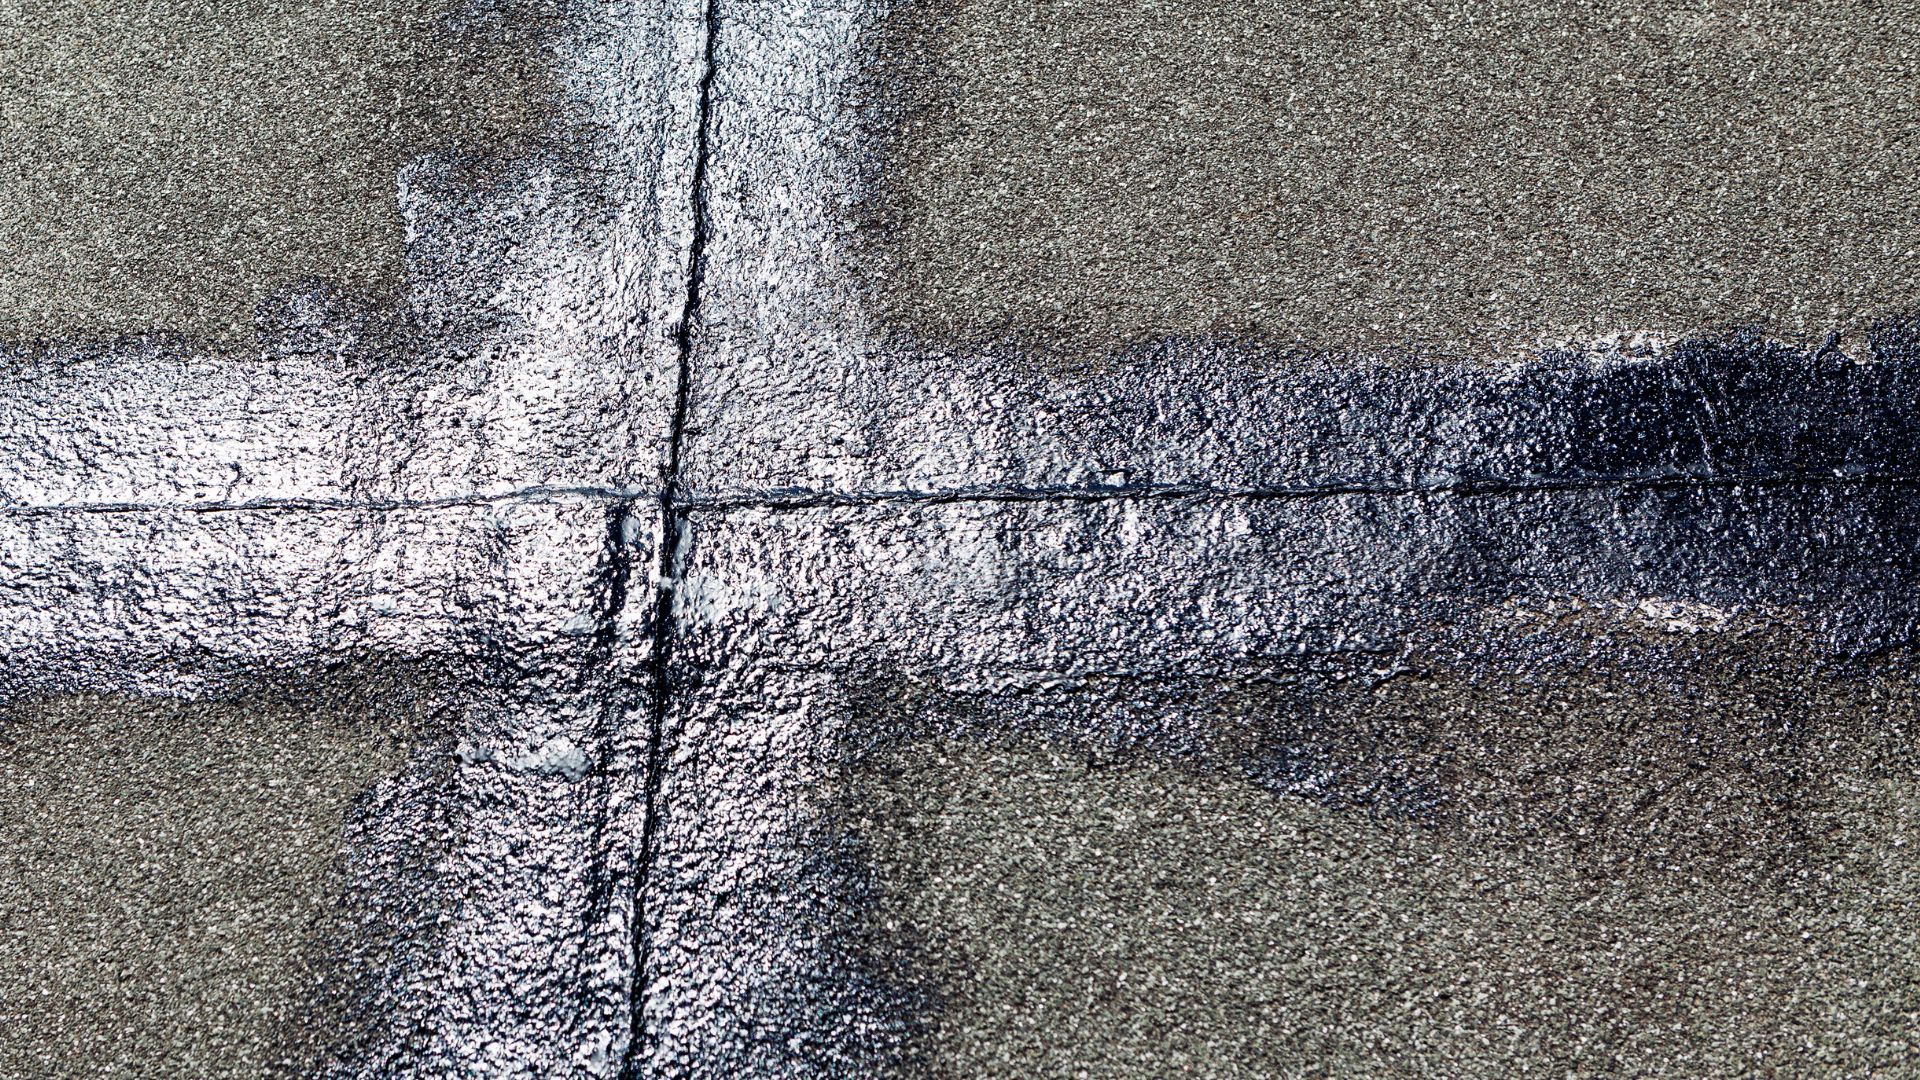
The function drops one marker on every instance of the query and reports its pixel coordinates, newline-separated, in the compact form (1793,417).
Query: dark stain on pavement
(1574,838)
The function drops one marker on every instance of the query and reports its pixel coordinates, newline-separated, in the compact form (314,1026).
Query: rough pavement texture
(171,165)
(1574,880)
(489,883)
(169,865)
(451,480)
(1469,178)
(532,348)
(934,278)
(816,684)
(1427,726)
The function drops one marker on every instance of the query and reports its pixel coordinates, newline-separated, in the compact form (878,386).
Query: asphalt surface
(169,166)
(1595,878)
(959,539)
(1336,785)
(311,312)
(169,870)
(1465,178)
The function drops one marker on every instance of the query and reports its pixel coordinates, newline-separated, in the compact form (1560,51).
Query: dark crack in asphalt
(672,523)
(935,771)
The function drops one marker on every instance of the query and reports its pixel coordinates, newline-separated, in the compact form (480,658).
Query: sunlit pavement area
(720,538)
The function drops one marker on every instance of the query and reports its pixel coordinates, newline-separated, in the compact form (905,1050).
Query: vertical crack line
(603,659)
(672,526)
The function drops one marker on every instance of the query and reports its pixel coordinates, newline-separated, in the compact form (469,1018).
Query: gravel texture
(1462,784)
(485,884)
(1592,876)
(167,166)
(1466,178)
(985,246)
(433,467)
(169,868)
(836,670)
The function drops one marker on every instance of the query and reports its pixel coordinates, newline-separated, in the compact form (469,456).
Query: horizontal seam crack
(804,500)
(311,505)
(810,499)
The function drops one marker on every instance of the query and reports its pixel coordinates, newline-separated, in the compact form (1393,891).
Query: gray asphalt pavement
(171,165)
(958,538)
(1598,880)
(169,870)
(1470,178)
